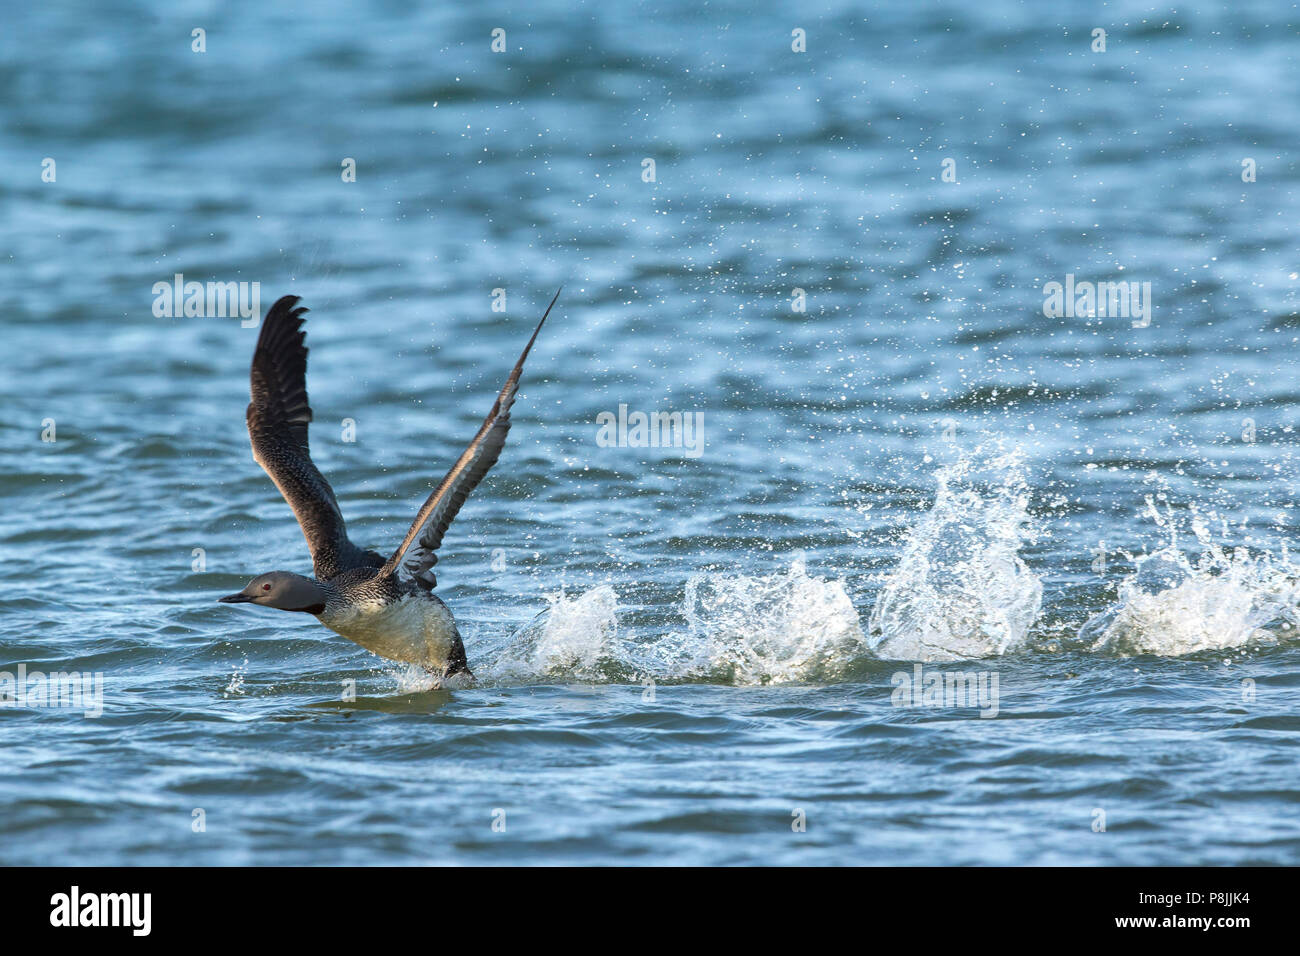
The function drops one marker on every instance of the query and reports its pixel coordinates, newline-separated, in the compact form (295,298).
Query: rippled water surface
(909,473)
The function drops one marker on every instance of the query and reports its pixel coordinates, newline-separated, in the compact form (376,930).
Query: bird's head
(281,589)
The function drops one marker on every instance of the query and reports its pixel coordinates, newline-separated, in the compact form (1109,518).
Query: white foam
(411,678)
(1172,605)
(777,628)
(960,589)
(572,640)
(739,629)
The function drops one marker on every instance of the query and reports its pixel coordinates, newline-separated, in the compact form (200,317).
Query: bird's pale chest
(414,628)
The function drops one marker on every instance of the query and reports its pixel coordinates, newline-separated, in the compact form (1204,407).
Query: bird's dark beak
(240,598)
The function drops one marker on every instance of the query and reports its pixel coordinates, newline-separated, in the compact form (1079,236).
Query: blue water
(682,658)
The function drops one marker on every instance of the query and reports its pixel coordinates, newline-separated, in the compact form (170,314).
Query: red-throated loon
(386,606)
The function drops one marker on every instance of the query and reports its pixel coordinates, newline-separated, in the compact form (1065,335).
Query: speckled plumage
(396,619)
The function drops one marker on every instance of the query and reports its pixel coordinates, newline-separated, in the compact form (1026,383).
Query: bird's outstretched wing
(415,558)
(277,427)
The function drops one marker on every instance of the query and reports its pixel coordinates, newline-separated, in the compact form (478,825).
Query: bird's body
(399,621)
(385,605)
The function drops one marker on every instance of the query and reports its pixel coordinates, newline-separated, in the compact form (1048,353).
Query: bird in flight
(386,605)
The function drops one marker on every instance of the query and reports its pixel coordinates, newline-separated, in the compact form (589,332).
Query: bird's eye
(266,587)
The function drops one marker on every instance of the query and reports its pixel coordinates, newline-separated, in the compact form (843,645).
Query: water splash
(410,678)
(575,639)
(739,629)
(235,688)
(961,589)
(1173,604)
(777,628)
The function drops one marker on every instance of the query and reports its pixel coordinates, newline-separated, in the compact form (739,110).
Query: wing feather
(278,415)
(417,555)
